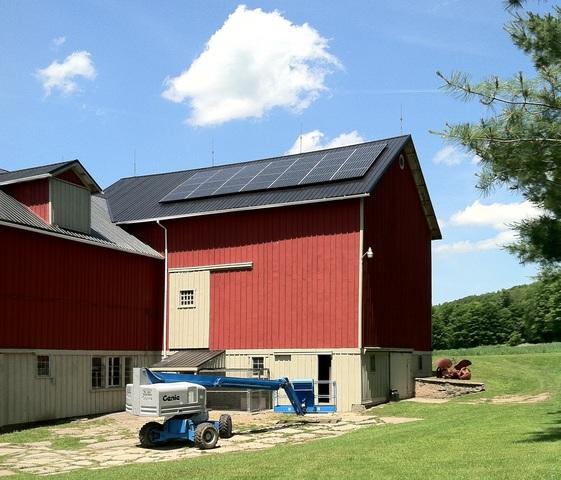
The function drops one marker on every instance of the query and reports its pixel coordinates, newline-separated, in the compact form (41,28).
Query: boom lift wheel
(206,436)
(225,426)
(149,433)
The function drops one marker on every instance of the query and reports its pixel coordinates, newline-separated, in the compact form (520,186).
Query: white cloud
(62,76)
(314,141)
(499,216)
(465,246)
(256,61)
(451,155)
(58,41)
(496,215)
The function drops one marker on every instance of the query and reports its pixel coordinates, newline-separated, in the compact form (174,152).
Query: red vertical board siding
(34,195)
(61,294)
(71,177)
(302,291)
(397,281)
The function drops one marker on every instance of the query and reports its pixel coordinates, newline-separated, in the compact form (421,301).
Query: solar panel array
(305,169)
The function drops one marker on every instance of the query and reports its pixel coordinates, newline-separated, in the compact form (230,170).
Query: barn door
(189,309)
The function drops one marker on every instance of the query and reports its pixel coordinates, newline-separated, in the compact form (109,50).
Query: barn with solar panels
(316,266)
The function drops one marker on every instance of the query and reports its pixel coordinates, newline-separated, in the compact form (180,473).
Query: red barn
(315,265)
(269,264)
(81,300)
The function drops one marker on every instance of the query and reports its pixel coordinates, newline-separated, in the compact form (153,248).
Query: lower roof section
(187,360)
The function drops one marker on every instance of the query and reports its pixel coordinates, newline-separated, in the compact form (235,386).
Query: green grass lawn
(456,440)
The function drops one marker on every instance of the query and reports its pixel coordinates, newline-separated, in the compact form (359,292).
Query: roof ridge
(57,164)
(199,169)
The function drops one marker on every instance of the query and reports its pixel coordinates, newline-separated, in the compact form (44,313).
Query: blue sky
(106,82)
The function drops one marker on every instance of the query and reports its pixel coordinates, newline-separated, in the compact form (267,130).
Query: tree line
(524,314)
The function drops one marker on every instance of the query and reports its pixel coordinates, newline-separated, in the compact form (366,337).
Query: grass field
(467,438)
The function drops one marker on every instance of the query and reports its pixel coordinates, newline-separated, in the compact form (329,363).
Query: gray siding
(70,206)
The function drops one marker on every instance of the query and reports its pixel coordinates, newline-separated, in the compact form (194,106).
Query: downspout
(164,342)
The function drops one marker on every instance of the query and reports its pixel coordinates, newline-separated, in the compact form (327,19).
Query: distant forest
(528,313)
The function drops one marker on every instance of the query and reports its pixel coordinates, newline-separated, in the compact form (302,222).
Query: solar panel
(304,169)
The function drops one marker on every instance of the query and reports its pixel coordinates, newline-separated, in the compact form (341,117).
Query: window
(43,366)
(97,373)
(258,365)
(128,370)
(372,365)
(114,372)
(420,362)
(186,298)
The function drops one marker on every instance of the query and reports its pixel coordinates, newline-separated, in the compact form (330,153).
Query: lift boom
(181,399)
(210,381)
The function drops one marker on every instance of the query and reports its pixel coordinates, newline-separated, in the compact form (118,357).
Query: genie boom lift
(181,400)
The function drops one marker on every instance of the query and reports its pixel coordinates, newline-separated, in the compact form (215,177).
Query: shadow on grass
(549,434)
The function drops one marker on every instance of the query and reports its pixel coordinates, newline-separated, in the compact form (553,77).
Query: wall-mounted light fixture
(369,253)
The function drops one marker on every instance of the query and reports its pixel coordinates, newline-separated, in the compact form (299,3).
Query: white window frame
(126,364)
(180,300)
(258,371)
(49,373)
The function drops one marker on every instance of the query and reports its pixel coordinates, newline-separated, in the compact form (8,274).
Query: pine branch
(498,140)
(487,99)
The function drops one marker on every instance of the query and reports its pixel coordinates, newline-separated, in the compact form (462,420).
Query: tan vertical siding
(189,327)
(70,206)
(25,397)
(401,378)
(345,370)
(375,383)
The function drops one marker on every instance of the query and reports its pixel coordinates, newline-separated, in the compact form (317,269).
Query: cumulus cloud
(499,216)
(63,75)
(314,140)
(58,41)
(256,61)
(466,246)
(451,155)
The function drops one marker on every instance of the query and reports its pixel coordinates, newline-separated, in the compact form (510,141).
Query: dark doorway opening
(324,376)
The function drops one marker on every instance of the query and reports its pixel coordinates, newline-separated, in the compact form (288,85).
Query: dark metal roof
(188,359)
(103,231)
(137,199)
(46,171)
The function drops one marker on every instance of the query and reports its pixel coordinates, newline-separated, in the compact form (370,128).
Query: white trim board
(214,268)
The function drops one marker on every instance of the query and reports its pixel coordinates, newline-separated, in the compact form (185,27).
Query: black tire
(225,426)
(149,434)
(206,436)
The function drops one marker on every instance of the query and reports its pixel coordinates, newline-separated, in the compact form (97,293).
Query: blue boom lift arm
(210,381)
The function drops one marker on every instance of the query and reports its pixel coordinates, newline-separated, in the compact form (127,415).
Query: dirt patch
(542,397)
(514,399)
(398,420)
(427,400)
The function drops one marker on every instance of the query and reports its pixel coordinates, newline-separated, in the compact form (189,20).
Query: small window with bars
(187,299)
(258,365)
(43,366)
